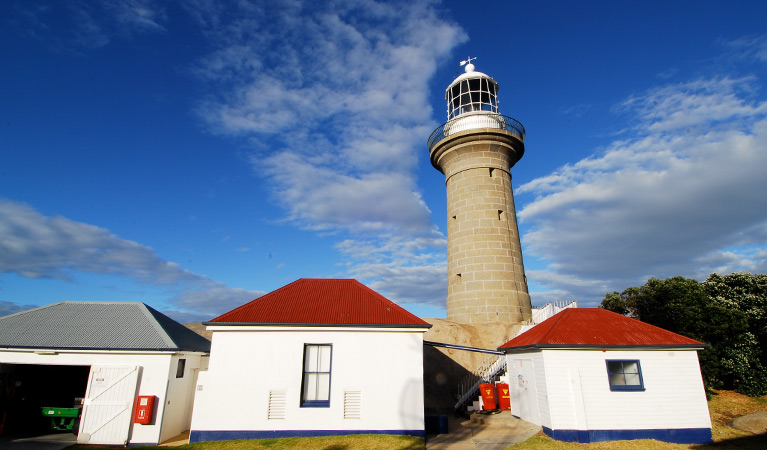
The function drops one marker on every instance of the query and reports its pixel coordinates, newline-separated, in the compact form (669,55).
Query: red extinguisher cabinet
(487,390)
(144,409)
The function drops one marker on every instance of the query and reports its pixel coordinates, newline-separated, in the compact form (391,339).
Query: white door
(524,391)
(108,405)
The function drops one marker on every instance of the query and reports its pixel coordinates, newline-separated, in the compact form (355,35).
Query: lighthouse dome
(471,91)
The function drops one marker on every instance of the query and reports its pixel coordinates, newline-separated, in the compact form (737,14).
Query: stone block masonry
(486,275)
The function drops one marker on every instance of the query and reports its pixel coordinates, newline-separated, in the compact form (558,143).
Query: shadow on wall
(441,375)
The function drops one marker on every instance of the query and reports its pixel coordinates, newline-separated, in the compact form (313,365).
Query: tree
(623,303)
(728,313)
(747,294)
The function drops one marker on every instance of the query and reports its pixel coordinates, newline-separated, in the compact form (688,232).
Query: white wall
(386,365)
(153,380)
(579,395)
(179,400)
(527,386)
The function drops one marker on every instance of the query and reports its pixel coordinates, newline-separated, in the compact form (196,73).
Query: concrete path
(46,442)
(481,432)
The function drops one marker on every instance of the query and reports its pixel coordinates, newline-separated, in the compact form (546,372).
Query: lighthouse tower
(476,150)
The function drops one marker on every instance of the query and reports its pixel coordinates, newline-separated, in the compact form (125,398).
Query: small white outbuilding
(109,354)
(317,357)
(589,375)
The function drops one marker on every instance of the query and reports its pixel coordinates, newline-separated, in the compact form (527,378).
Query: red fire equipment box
(487,390)
(144,409)
(504,399)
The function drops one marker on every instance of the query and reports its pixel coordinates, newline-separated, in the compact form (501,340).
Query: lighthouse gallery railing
(504,123)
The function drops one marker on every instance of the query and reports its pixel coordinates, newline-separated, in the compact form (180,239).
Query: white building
(588,375)
(314,358)
(108,353)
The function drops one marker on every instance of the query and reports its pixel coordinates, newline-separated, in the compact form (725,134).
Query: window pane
(632,379)
(323,386)
(617,379)
(455,91)
(180,368)
(324,359)
(630,367)
(615,366)
(310,387)
(310,358)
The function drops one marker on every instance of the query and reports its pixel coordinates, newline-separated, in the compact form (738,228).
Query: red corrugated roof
(596,327)
(322,302)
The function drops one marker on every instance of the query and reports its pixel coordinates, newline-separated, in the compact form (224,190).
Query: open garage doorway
(27,388)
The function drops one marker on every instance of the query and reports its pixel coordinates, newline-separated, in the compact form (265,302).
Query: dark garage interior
(26,388)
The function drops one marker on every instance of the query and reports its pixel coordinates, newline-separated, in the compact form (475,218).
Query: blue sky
(196,154)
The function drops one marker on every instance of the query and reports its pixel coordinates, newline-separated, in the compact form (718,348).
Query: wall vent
(352,404)
(278,405)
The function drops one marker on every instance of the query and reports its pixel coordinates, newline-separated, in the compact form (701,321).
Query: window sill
(627,388)
(316,404)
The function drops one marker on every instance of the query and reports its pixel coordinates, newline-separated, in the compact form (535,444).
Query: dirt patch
(753,423)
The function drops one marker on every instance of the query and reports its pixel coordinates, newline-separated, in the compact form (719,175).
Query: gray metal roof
(98,326)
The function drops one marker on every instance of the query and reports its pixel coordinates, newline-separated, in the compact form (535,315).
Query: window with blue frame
(625,375)
(315,389)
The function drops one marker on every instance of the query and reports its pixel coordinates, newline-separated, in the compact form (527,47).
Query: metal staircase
(493,367)
(468,388)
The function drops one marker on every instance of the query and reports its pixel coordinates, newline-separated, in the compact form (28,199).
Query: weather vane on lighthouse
(476,149)
(468,61)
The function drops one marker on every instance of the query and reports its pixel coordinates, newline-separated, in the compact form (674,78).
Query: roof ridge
(381,299)
(148,312)
(555,319)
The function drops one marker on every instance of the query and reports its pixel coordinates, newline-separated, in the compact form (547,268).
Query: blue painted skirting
(229,435)
(676,436)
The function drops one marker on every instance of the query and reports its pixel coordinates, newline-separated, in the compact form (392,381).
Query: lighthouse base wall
(444,368)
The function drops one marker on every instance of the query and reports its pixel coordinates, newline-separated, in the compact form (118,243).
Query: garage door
(108,405)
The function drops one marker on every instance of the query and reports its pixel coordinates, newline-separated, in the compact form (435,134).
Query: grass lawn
(724,407)
(354,442)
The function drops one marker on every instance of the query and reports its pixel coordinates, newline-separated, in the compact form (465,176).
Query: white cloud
(33,245)
(675,198)
(38,246)
(214,301)
(703,102)
(337,123)
(401,268)
(136,15)
(748,48)
(88,24)
(7,308)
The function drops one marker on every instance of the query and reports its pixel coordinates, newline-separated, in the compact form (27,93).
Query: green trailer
(63,419)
